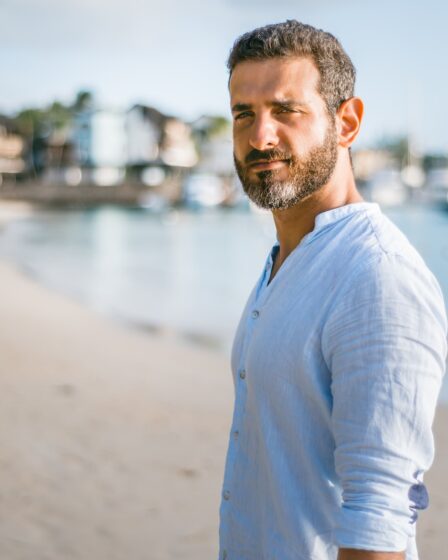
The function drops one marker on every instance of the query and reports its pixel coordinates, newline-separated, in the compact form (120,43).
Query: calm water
(182,271)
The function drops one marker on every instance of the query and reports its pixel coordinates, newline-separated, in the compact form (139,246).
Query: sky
(172,53)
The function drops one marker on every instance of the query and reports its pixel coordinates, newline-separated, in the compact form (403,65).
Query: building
(12,151)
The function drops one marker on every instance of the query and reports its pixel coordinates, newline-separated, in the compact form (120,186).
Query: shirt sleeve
(385,346)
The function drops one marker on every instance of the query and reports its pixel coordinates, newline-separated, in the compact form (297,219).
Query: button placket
(252,325)
(234,434)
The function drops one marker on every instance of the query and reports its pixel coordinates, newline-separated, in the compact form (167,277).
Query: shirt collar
(335,214)
(331,217)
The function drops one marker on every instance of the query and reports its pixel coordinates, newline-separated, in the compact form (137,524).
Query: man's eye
(240,116)
(286,110)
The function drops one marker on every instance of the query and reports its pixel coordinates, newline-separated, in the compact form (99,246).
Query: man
(339,355)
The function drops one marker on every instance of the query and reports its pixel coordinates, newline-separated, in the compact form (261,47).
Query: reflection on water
(181,271)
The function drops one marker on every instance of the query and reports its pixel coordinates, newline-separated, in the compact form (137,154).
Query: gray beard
(306,177)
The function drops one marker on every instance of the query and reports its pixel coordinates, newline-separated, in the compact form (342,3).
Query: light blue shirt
(337,364)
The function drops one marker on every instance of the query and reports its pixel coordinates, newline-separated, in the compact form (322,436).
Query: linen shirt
(337,364)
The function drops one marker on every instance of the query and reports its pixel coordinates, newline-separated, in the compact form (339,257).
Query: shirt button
(243,374)
(255,314)
(224,554)
(236,434)
(226,495)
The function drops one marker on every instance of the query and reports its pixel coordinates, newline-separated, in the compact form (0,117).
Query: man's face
(285,143)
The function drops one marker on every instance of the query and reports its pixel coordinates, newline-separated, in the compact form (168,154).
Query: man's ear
(349,117)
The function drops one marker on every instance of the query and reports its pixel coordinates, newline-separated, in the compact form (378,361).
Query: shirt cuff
(367,531)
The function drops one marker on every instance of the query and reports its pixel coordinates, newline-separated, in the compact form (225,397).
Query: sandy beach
(113,439)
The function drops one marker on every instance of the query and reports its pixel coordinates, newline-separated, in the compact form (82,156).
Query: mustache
(266,155)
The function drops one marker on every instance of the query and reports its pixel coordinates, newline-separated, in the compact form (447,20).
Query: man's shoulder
(392,241)
(381,260)
(375,243)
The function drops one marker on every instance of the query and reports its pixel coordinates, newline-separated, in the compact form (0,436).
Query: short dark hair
(294,39)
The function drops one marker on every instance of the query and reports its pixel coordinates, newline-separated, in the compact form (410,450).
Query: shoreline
(195,338)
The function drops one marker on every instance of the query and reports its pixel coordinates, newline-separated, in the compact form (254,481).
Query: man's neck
(294,223)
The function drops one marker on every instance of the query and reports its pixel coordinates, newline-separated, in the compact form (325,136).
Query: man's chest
(279,339)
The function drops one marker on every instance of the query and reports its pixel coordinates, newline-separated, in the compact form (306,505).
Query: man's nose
(263,135)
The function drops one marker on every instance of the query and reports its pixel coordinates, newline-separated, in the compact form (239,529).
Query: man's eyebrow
(241,107)
(289,103)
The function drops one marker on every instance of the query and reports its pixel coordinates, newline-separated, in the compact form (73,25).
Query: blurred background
(127,251)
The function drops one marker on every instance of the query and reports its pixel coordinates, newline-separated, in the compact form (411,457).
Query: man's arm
(385,346)
(352,554)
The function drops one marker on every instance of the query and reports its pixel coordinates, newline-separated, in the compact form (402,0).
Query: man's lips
(271,164)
